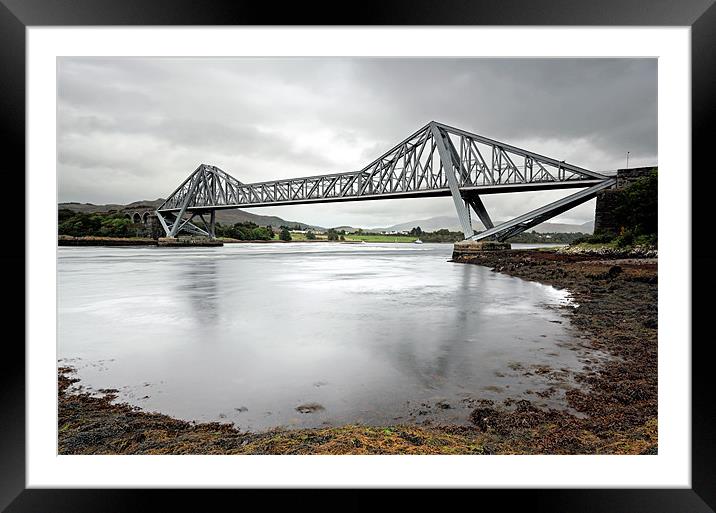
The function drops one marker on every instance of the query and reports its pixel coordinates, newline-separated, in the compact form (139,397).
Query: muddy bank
(67,240)
(90,424)
(617,407)
(615,311)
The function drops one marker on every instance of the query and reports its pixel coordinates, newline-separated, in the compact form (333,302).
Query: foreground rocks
(616,312)
(468,247)
(88,424)
(604,250)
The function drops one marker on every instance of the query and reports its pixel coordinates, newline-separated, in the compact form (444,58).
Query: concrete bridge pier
(470,247)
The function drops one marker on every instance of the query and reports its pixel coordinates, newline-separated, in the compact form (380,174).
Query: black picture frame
(16,15)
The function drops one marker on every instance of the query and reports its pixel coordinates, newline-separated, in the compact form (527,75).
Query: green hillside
(225,217)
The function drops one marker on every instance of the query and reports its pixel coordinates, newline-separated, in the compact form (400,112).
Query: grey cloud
(512,99)
(142,124)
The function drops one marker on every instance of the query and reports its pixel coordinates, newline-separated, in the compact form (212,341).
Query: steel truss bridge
(437,160)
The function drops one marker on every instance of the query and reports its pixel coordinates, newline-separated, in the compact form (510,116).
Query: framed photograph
(432,246)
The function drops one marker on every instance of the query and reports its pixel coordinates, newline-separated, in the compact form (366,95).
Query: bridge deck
(480,189)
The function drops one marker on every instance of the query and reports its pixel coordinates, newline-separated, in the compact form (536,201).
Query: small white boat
(417,241)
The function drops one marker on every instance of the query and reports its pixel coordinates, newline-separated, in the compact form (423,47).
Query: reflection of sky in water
(246,333)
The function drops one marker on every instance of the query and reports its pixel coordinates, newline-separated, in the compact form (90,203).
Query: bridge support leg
(187,225)
(173,226)
(163,222)
(212,224)
(177,223)
(479,207)
(180,215)
(449,166)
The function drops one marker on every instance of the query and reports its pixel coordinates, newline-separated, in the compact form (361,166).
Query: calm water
(365,333)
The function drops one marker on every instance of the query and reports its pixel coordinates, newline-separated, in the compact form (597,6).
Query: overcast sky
(133,129)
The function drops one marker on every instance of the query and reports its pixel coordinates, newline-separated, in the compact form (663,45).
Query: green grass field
(298,236)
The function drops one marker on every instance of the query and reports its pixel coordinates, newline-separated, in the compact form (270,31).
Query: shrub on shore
(285,235)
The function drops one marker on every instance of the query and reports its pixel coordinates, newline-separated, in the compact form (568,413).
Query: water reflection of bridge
(437,160)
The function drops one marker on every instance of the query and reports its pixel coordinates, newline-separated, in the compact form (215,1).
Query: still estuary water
(297,335)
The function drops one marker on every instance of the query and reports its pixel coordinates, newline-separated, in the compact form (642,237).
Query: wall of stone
(148,226)
(603,214)
(153,227)
(607,200)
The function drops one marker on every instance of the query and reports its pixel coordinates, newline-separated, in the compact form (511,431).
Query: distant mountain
(427,225)
(451,223)
(91,208)
(222,216)
(587,227)
(240,216)
(349,228)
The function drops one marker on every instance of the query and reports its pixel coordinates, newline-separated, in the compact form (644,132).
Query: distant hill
(350,228)
(222,216)
(91,208)
(451,223)
(587,227)
(240,216)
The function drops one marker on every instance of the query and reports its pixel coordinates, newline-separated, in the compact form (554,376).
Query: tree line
(79,224)
(445,235)
(114,224)
(635,214)
(244,231)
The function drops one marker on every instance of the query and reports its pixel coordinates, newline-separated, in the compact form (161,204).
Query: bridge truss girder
(526,221)
(174,224)
(437,160)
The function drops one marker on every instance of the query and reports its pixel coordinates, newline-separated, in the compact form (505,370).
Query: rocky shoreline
(615,311)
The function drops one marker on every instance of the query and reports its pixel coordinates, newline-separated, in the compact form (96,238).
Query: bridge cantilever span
(437,160)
